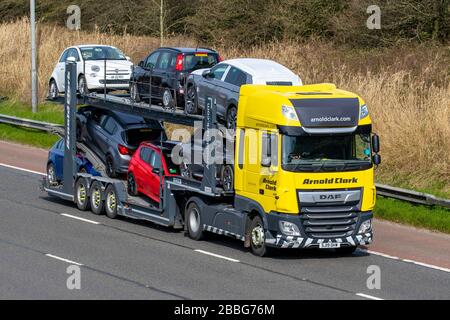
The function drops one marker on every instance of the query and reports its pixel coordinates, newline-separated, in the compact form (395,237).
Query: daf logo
(330,197)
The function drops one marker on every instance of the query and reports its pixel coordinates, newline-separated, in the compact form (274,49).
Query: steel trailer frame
(170,211)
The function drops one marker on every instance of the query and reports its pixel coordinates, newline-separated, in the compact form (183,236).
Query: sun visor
(321,113)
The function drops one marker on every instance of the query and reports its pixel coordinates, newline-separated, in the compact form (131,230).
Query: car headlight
(365,226)
(364,112)
(95,68)
(289,228)
(289,113)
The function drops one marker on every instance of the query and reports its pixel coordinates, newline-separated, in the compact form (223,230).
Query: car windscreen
(196,61)
(101,53)
(134,137)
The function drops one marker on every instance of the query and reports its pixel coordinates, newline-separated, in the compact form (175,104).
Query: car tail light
(124,150)
(179,63)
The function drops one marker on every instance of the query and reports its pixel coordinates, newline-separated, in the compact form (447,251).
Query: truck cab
(304,163)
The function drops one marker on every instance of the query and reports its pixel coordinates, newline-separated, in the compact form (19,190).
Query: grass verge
(432,218)
(48,112)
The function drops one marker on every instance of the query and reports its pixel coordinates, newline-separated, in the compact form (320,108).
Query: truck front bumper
(274,237)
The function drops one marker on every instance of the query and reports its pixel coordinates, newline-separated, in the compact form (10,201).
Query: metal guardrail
(32,124)
(411,196)
(382,190)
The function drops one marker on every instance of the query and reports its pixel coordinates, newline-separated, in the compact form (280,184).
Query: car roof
(262,68)
(92,45)
(189,50)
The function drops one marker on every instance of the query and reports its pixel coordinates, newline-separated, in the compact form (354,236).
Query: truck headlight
(365,226)
(289,228)
(289,113)
(363,112)
(95,68)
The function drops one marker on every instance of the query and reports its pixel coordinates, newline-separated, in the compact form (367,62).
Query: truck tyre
(81,194)
(111,202)
(193,221)
(97,201)
(131,185)
(257,238)
(346,250)
(227,178)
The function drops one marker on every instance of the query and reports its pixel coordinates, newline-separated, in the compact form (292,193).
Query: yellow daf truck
(302,174)
(304,167)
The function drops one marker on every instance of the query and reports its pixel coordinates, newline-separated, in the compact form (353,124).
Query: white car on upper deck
(91,60)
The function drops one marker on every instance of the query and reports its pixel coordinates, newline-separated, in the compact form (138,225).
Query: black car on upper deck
(165,70)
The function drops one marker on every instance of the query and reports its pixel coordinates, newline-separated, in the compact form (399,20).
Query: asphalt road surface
(41,236)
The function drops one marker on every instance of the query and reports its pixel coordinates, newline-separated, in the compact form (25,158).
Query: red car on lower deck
(144,171)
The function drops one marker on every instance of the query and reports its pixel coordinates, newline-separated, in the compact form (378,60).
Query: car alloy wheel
(191,100)
(134,93)
(51,175)
(167,100)
(131,183)
(53,90)
(82,86)
(231,118)
(227,178)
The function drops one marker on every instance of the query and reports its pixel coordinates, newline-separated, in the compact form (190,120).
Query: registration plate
(116,77)
(329,245)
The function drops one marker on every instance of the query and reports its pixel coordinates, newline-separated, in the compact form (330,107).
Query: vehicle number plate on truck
(329,245)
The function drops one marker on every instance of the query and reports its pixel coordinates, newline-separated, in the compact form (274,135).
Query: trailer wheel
(257,238)
(97,201)
(81,194)
(111,202)
(193,221)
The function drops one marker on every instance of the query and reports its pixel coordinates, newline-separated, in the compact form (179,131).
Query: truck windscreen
(326,153)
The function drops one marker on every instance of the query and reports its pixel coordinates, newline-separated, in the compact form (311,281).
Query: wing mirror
(141,64)
(376,159)
(266,162)
(156,170)
(128,58)
(376,143)
(206,73)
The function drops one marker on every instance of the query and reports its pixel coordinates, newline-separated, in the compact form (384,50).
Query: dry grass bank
(407,89)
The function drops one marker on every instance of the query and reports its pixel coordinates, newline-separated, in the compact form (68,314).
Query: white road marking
(426,265)
(62,259)
(78,218)
(22,169)
(368,297)
(216,255)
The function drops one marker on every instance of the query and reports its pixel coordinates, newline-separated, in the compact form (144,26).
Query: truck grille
(329,224)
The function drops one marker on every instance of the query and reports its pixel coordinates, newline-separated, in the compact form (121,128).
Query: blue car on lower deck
(55,163)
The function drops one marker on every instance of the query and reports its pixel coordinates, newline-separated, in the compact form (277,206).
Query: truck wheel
(97,202)
(131,185)
(257,238)
(81,194)
(193,221)
(111,202)
(346,250)
(227,177)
